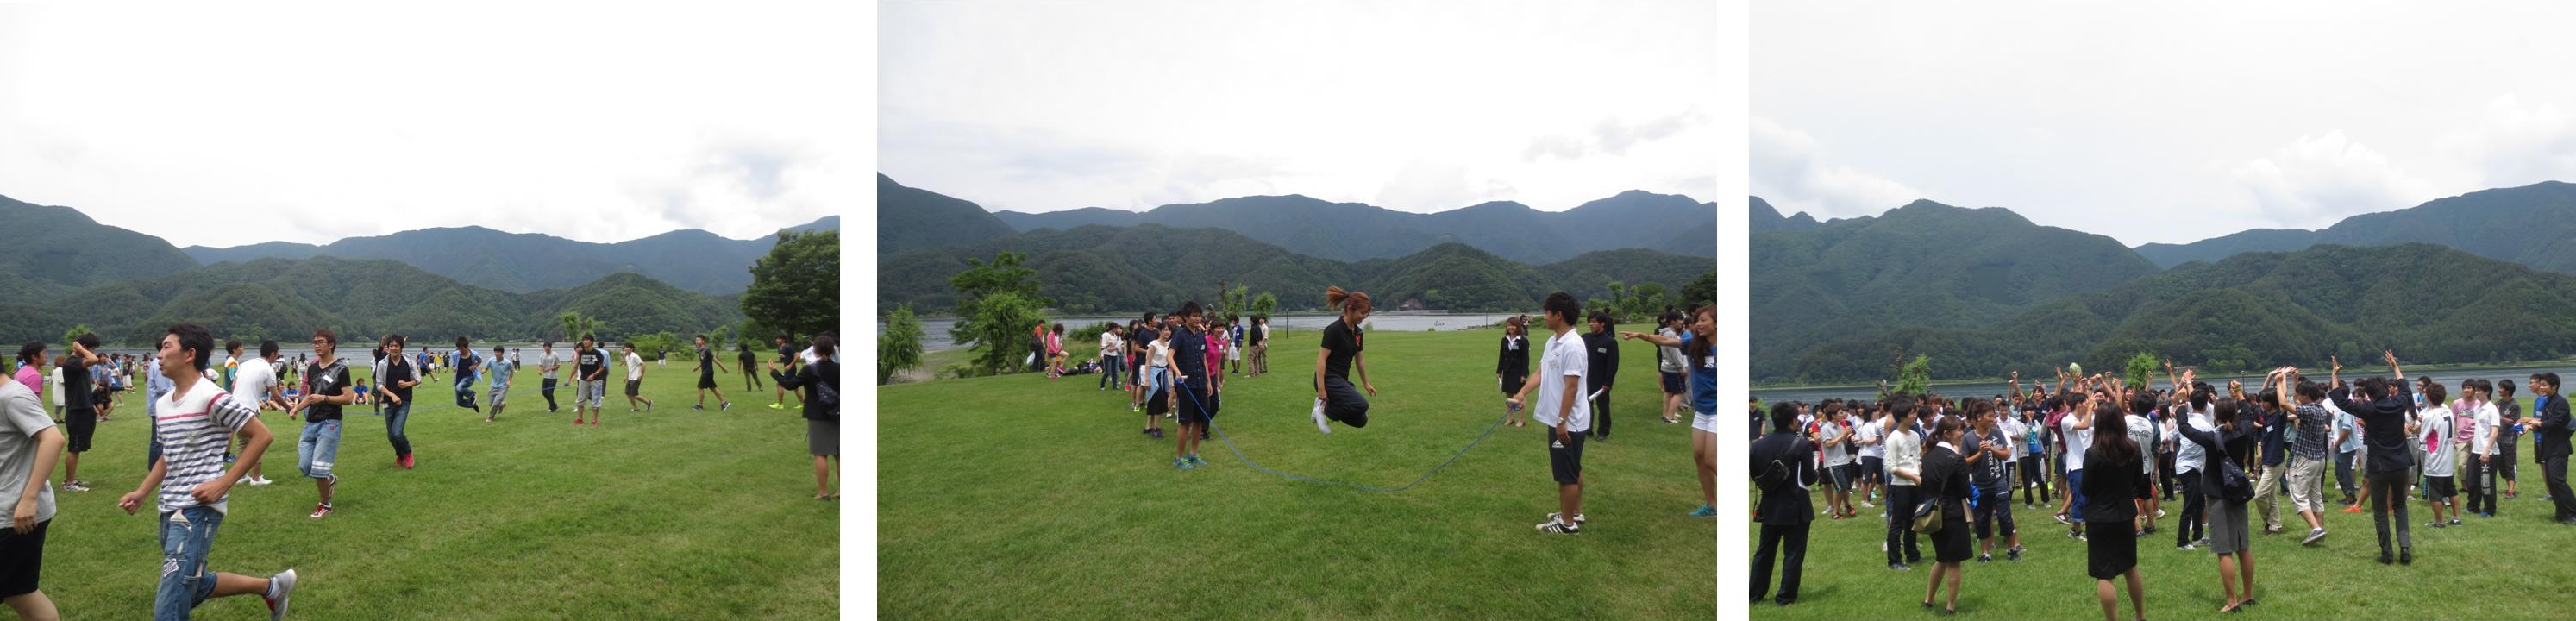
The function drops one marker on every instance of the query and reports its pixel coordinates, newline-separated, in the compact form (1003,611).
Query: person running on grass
(1190,364)
(29,443)
(1560,406)
(590,370)
(707,367)
(193,486)
(1698,349)
(1511,366)
(550,364)
(822,412)
(635,381)
(1334,398)
(255,380)
(80,418)
(396,389)
(745,360)
(502,369)
(787,360)
(469,367)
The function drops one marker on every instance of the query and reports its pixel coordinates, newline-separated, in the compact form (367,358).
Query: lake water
(2521,377)
(935,331)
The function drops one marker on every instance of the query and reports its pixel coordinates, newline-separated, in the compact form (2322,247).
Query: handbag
(2232,485)
(1927,516)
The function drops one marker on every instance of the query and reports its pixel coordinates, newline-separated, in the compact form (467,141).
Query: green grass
(2485,569)
(1019,497)
(674,514)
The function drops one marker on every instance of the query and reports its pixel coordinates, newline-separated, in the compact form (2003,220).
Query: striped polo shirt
(193,426)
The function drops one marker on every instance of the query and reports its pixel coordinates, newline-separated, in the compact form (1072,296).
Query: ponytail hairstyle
(2226,411)
(1701,345)
(1346,302)
(1944,428)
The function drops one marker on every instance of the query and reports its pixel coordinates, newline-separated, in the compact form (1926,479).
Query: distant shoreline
(2356,371)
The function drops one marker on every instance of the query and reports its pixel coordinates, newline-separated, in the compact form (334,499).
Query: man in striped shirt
(193,423)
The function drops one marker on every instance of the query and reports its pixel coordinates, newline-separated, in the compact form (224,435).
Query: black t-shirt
(745,359)
(1253,334)
(786,354)
(706,363)
(1343,341)
(330,381)
(76,382)
(396,373)
(1990,471)
(592,361)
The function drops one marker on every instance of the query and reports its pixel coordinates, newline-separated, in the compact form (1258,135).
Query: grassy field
(2485,569)
(1019,497)
(673,514)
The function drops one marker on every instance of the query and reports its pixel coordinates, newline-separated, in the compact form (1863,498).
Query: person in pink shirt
(30,358)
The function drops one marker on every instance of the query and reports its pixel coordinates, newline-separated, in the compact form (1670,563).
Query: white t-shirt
(2439,427)
(1904,452)
(1563,359)
(252,379)
(1109,344)
(2188,456)
(2013,433)
(2487,419)
(1159,353)
(1869,432)
(2141,433)
(2077,440)
(634,366)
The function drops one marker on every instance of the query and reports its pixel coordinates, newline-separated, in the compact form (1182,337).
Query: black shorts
(1158,403)
(103,395)
(636,387)
(707,380)
(1196,407)
(22,559)
(1565,460)
(2438,488)
(1672,383)
(1873,469)
(78,426)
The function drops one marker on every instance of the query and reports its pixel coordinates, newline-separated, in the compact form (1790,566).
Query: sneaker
(2406,556)
(1988,557)
(76,486)
(2384,558)
(409,461)
(320,510)
(258,481)
(648,406)
(280,587)
(1704,511)
(1553,526)
(2435,525)
(774,406)
(2061,519)
(1194,460)
(1130,409)
(1321,424)
(2352,509)
(2160,514)
(1183,464)
(2455,521)
(2080,537)
(1865,505)
(2203,542)
(2314,535)
(1898,567)
(700,406)
(594,422)
(728,406)
(576,422)
(2014,554)
(2185,547)
(1578,518)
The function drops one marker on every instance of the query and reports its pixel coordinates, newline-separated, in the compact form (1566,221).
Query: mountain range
(2475,278)
(1100,261)
(1358,231)
(521,262)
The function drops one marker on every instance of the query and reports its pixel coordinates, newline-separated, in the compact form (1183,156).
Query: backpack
(825,391)
(1781,470)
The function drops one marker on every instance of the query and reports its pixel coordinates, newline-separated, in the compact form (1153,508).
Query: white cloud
(2515,144)
(1793,171)
(2324,178)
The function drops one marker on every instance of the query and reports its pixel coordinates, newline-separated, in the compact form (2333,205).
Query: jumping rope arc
(1247,460)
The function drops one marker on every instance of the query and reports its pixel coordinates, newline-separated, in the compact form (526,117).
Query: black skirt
(2110,549)
(1512,384)
(1952,543)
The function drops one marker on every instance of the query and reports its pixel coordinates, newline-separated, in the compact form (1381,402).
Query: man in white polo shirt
(1559,383)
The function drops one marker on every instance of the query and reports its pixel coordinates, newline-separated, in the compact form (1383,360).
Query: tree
(1916,377)
(1698,292)
(797,286)
(1618,303)
(1233,302)
(75,333)
(899,346)
(1648,299)
(2142,369)
(1264,304)
(996,304)
(571,321)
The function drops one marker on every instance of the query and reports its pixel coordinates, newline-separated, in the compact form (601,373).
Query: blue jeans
(395,417)
(319,445)
(186,536)
(1109,371)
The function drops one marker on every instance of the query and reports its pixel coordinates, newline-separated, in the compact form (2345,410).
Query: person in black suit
(2118,472)
(2551,444)
(2382,415)
(1511,365)
(1945,479)
(1784,512)
(1601,349)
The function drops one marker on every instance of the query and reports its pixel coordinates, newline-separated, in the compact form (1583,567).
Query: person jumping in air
(1334,398)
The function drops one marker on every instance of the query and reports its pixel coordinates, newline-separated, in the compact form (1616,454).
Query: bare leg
(2111,598)
(1704,447)
(1932,587)
(324,486)
(34,607)
(1957,572)
(71,466)
(228,585)
(2227,581)
(2137,593)
(822,477)
(1569,502)
(2245,571)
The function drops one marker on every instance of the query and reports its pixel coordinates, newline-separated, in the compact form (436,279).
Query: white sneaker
(258,481)
(282,586)
(1322,424)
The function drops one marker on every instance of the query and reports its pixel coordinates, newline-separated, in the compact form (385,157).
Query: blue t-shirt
(1703,379)
(2274,426)
(501,373)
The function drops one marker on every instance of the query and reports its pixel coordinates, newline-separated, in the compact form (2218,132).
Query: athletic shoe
(258,481)
(2314,535)
(1321,424)
(2061,519)
(648,406)
(2160,514)
(1553,526)
(280,587)
(1194,460)
(2352,509)
(2185,547)
(2435,525)
(2406,556)
(700,406)
(2455,521)
(2384,559)
(76,486)
(1183,464)
(728,406)
(774,406)
(320,510)
(2014,553)
(2203,542)
(1898,567)
(409,461)
(1707,511)
(1988,557)
(1158,434)
(1865,505)
(1130,409)
(1578,518)
(594,422)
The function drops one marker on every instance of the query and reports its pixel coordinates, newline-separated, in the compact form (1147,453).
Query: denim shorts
(319,445)
(186,536)
(591,392)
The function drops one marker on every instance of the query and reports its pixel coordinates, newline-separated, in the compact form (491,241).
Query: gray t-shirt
(551,363)
(22,416)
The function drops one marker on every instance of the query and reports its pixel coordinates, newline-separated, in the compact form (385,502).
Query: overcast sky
(2156,122)
(1413,106)
(225,124)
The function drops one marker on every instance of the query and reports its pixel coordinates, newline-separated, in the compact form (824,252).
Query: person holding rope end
(1189,370)
(1562,408)
(1335,400)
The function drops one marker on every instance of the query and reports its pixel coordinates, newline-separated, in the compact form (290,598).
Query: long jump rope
(1247,460)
